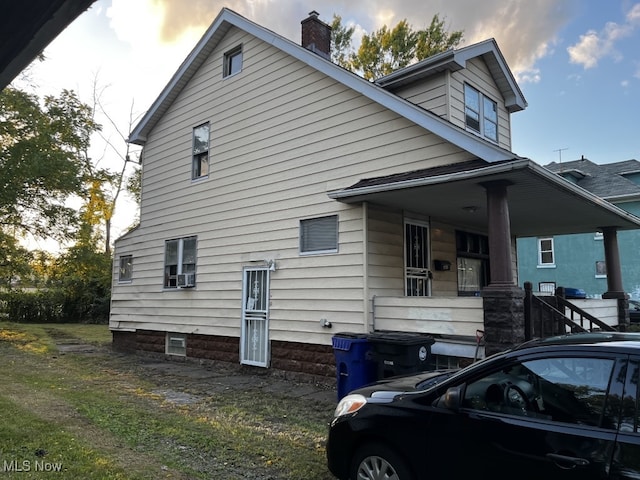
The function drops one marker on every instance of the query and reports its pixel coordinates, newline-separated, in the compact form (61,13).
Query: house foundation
(301,358)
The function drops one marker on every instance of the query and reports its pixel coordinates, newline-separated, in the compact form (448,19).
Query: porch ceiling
(27,27)
(540,202)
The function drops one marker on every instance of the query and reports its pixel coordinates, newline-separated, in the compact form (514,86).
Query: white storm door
(254,337)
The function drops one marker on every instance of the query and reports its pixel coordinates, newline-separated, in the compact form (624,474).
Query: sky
(577,62)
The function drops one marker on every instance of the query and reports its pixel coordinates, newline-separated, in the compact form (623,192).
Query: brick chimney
(316,35)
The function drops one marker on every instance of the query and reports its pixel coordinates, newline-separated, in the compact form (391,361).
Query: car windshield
(433,381)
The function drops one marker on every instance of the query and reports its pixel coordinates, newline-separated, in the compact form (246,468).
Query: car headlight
(350,404)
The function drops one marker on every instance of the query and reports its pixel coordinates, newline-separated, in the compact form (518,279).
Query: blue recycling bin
(354,367)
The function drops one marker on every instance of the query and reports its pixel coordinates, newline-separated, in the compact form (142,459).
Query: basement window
(176,344)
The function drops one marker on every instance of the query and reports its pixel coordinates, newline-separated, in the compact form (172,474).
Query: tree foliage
(388,49)
(41,163)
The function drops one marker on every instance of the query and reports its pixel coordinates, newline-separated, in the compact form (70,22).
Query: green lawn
(99,416)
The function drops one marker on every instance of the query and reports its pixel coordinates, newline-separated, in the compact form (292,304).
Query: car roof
(622,339)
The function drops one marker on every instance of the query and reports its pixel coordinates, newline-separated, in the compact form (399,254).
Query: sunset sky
(577,61)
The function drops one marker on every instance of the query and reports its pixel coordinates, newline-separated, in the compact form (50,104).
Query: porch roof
(540,201)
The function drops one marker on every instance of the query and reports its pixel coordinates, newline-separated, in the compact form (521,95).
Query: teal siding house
(578,261)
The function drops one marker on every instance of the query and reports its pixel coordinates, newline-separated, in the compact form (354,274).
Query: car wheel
(377,462)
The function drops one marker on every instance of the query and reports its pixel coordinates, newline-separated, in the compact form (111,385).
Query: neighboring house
(285,199)
(578,261)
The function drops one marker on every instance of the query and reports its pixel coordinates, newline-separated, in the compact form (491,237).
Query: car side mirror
(452,399)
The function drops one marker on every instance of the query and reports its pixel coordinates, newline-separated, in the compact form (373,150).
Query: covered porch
(502,200)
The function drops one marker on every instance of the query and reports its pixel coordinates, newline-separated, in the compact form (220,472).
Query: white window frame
(200,168)
(309,226)
(170,281)
(172,344)
(482,112)
(125,269)
(541,252)
(547,287)
(599,273)
(231,68)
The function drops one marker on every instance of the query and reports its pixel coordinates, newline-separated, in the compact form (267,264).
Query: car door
(535,418)
(626,458)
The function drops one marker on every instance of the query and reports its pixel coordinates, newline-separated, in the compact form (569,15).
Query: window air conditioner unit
(186,280)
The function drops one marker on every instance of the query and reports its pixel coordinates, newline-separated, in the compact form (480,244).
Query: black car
(560,408)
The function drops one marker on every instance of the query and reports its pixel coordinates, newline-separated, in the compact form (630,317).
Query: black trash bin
(354,367)
(400,353)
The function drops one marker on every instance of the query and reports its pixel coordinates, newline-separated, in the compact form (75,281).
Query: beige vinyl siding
(478,76)
(281,135)
(430,93)
(435,315)
(386,252)
(443,247)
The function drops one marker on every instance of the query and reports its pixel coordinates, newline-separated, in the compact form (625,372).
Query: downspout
(365,266)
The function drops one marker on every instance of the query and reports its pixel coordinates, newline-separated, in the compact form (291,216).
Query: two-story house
(285,199)
(578,261)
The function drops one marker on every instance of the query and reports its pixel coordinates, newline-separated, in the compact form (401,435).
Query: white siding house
(270,217)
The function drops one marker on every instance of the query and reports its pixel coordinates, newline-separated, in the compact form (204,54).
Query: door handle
(566,462)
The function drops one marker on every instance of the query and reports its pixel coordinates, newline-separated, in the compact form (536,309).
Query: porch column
(501,264)
(503,301)
(614,275)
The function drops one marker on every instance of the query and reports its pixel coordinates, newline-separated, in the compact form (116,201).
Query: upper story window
(233,62)
(319,235)
(200,164)
(125,272)
(546,257)
(180,262)
(481,113)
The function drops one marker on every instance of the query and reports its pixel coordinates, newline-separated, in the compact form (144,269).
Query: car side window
(630,413)
(562,389)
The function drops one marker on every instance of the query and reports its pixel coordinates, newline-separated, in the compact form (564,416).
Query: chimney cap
(313,13)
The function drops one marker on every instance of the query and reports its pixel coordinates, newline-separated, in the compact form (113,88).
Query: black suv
(559,408)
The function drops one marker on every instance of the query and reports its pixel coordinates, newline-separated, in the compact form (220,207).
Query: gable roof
(454,60)
(227,19)
(606,180)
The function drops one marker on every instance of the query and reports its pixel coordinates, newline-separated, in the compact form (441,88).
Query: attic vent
(316,35)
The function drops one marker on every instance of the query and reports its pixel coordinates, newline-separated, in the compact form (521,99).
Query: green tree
(14,262)
(82,278)
(341,43)
(41,162)
(389,49)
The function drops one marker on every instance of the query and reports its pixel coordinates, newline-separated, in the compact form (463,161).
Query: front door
(254,339)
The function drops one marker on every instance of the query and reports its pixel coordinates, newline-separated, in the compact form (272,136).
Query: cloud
(526,30)
(593,46)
